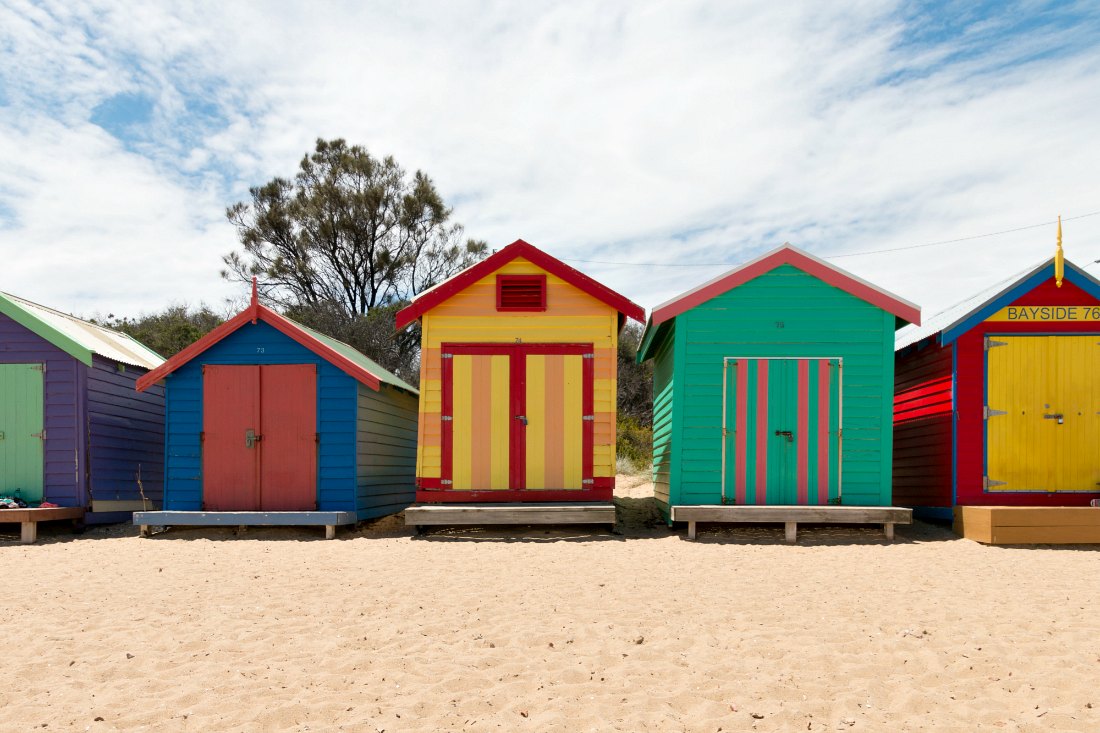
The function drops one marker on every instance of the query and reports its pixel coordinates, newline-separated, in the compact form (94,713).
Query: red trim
(824,384)
(742,430)
(256,312)
(588,427)
(490,349)
(431,298)
(447,427)
(517,461)
(539,280)
(427,496)
(787,255)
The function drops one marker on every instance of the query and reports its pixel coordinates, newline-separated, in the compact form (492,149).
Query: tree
(634,431)
(169,331)
(349,231)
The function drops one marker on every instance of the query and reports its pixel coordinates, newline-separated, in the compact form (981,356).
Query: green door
(21,430)
(782,431)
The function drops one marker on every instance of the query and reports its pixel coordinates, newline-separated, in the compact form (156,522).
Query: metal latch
(1055,416)
(522,419)
(786,434)
(251,439)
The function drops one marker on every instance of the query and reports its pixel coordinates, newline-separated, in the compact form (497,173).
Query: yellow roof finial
(1059,258)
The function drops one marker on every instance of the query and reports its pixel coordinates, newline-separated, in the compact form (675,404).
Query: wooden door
(517,418)
(781,431)
(21,431)
(1043,413)
(230,451)
(288,449)
(260,438)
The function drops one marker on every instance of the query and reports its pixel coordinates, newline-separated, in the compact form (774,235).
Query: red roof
(335,352)
(434,296)
(808,263)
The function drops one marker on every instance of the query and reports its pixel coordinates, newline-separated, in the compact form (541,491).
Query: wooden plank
(821,514)
(251,519)
(123,505)
(1057,535)
(1084,516)
(38,514)
(790,531)
(973,523)
(510,514)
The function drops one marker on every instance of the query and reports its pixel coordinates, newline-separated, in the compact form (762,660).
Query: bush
(633,445)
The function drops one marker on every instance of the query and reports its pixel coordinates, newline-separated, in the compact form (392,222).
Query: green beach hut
(773,387)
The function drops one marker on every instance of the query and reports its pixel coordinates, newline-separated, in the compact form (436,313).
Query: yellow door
(1043,413)
(482,421)
(555,421)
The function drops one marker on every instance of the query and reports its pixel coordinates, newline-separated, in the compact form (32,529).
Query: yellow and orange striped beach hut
(517,382)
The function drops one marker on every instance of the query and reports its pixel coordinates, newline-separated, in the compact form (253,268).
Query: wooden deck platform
(29,519)
(422,515)
(791,516)
(328,520)
(1015,525)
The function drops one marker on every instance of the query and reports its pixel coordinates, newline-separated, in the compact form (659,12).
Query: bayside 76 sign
(1048,313)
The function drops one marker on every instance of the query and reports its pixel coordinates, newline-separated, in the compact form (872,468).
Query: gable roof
(77,338)
(787,254)
(953,322)
(339,354)
(433,296)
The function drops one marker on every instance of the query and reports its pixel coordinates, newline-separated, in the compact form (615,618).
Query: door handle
(1055,416)
(522,419)
(786,434)
(1,435)
(250,438)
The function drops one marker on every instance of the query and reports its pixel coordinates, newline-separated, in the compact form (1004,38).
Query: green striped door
(782,428)
(21,426)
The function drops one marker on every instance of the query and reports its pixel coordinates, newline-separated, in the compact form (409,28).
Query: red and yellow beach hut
(518,370)
(997,410)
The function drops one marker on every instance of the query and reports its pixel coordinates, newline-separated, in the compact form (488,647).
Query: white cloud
(626,131)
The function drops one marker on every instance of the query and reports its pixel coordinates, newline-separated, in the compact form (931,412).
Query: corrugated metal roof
(944,320)
(76,337)
(354,355)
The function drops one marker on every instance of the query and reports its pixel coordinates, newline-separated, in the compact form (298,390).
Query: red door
(260,438)
(230,465)
(288,451)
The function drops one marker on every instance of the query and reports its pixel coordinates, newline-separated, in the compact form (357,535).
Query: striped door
(21,430)
(782,431)
(1043,413)
(515,417)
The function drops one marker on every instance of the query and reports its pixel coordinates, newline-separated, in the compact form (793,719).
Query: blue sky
(639,133)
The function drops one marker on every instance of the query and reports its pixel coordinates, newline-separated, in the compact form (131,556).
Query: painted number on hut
(1047,313)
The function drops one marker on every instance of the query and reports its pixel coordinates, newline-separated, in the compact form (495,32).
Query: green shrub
(634,443)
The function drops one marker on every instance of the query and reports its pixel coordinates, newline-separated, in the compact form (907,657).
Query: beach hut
(997,410)
(772,395)
(517,405)
(72,431)
(272,423)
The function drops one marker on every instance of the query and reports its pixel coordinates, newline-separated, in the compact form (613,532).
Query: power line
(846,254)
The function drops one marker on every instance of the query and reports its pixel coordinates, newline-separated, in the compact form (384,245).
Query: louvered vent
(521,292)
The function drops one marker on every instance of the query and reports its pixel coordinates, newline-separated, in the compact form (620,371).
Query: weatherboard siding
(923,420)
(663,404)
(386,451)
(260,343)
(63,454)
(785,313)
(125,433)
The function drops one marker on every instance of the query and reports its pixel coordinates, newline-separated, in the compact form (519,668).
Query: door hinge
(317,438)
(988,483)
(202,436)
(41,435)
(40,368)
(991,344)
(988,412)
(446,418)
(446,356)
(445,482)
(589,356)
(590,418)
(588,481)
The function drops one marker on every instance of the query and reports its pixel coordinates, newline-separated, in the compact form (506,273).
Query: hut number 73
(259,349)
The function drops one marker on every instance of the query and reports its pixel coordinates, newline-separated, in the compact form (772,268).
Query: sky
(650,144)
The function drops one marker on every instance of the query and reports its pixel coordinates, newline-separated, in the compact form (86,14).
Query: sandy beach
(547,630)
